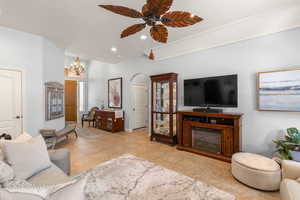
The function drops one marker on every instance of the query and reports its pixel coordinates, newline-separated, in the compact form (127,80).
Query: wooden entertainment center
(216,135)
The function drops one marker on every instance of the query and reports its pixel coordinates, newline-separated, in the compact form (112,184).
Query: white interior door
(11,102)
(140,106)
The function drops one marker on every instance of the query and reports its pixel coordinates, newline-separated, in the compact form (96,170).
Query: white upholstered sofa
(57,173)
(290,185)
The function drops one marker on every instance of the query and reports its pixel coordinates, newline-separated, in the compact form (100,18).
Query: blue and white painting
(279,91)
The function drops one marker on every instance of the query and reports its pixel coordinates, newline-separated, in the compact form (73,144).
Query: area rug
(90,133)
(132,178)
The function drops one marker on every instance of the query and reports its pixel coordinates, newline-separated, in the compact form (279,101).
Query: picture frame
(54,100)
(279,91)
(115,93)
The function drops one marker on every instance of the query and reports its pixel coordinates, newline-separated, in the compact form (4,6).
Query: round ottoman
(256,171)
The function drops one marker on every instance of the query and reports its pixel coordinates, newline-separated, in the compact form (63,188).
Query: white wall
(97,89)
(31,54)
(53,66)
(24,51)
(247,58)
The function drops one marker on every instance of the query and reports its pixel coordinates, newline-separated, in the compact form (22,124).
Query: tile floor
(100,146)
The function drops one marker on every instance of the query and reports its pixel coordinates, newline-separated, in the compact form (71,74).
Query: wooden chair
(90,117)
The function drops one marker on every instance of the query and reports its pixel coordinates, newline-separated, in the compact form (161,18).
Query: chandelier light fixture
(77,67)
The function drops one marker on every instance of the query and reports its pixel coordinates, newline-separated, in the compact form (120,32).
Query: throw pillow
(6,172)
(27,158)
(20,139)
(71,190)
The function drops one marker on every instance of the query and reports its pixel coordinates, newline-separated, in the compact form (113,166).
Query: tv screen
(221,91)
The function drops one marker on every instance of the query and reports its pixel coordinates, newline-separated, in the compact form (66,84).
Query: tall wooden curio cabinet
(164,108)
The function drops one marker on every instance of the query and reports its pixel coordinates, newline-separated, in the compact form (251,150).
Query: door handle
(18,117)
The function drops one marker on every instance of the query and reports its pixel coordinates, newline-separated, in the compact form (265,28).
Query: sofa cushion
(6,172)
(70,190)
(5,195)
(51,175)
(27,158)
(20,139)
(289,190)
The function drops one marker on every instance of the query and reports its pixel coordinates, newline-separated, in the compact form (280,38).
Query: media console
(216,135)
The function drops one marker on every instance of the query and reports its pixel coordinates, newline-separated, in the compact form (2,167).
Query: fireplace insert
(207,139)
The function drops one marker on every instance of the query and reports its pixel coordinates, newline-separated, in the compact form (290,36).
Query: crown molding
(263,24)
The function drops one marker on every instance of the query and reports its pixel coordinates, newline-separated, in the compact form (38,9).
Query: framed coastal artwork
(279,90)
(115,93)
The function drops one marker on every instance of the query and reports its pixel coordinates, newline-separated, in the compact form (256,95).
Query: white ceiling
(86,30)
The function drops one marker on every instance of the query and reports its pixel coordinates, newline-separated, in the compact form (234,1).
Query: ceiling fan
(155,14)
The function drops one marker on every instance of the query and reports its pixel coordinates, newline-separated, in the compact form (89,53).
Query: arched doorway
(139,98)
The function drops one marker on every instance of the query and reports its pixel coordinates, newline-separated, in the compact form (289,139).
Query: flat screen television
(219,91)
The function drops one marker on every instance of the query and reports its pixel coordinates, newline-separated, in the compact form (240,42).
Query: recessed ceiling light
(114,49)
(143,37)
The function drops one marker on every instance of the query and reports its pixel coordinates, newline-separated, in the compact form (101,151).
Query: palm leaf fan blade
(159,7)
(159,33)
(180,19)
(132,30)
(146,11)
(121,10)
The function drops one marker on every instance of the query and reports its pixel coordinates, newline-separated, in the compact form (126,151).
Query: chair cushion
(27,158)
(65,131)
(255,161)
(289,190)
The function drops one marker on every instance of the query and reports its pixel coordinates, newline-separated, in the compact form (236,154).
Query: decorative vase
(295,155)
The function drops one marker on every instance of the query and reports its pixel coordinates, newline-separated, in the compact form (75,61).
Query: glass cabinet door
(161,97)
(161,123)
(174,97)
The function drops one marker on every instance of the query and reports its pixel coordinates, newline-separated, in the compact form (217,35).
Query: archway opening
(140,101)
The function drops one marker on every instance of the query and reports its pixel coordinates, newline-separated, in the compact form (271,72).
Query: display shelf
(164,108)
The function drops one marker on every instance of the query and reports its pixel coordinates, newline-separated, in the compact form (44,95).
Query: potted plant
(289,148)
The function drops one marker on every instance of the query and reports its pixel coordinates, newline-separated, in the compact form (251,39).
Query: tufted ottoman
(256,171)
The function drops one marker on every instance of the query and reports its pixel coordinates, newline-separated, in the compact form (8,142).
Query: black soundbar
(208,110)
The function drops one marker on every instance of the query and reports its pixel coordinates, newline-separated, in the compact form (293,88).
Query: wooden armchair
(90,117)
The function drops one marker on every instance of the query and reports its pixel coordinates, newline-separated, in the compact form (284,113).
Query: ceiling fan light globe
(143,37)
